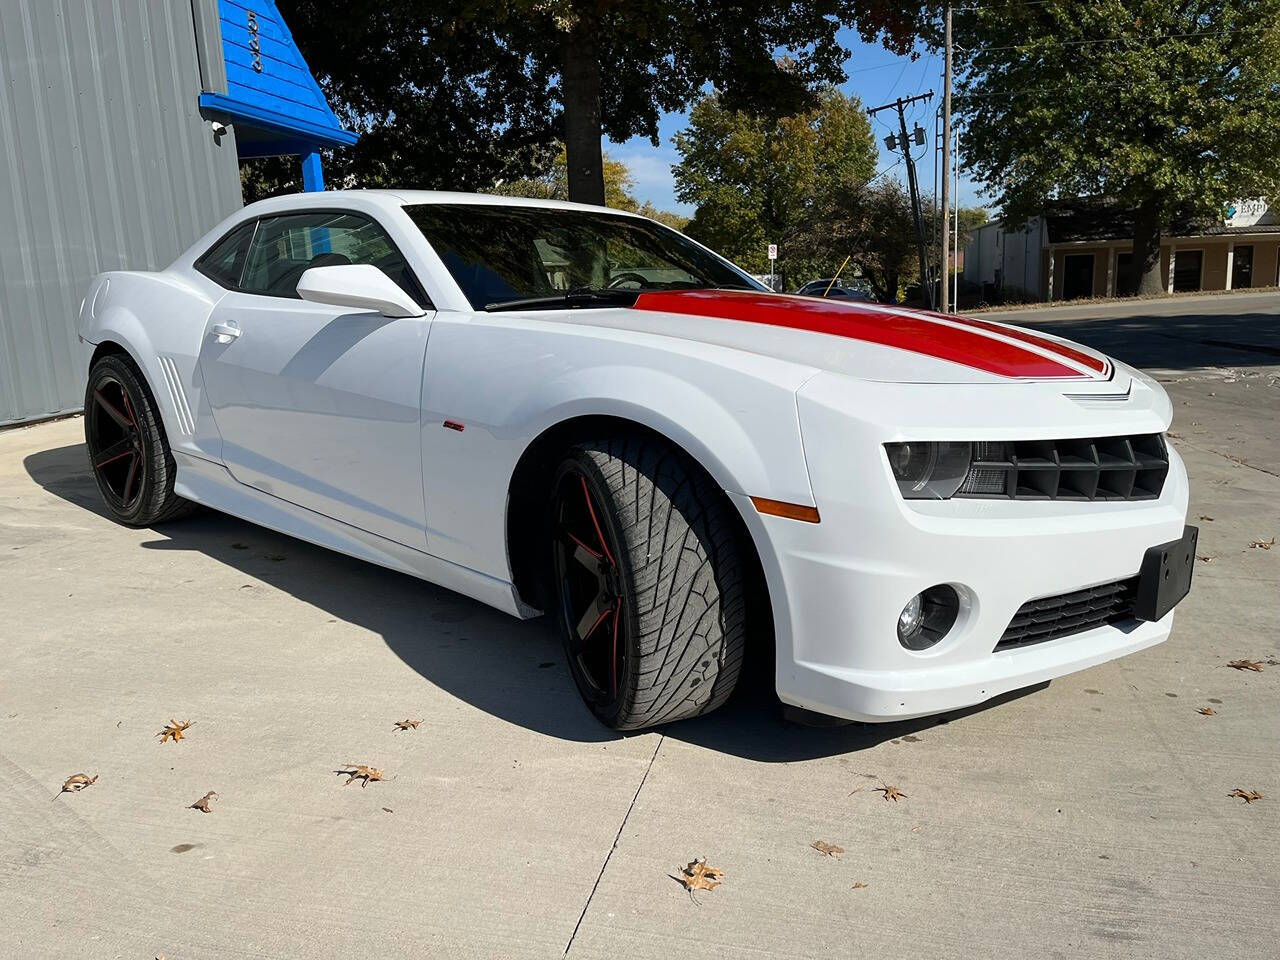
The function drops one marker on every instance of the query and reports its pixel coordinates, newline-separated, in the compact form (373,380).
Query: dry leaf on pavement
(358,771)
(78,782)
(1262,544)
(174,731)
(698,876)
(1204,559)
(407,724)
(1253,665)
(203,803)
(890,792)
(1248,796)
(1210,519)
(1207,711)
(830,849)
(859,885)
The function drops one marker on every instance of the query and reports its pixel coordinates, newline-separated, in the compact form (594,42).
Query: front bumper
(838,586)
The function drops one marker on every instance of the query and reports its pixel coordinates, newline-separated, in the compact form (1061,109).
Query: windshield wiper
(577,297)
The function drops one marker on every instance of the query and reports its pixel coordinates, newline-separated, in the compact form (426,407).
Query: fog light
(910,617)
(928,617)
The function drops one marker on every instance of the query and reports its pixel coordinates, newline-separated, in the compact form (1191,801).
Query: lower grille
(1053,617)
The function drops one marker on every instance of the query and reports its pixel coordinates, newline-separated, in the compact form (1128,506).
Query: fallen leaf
(1253,665)
(830,849)
(1203,559)
(1209,519)
(1262,544)
(174,731)
(358,771)
(203,803)
(1207,711)
(859,885)
(78,782)
(890,792)
(407,724)
(698,876)
(1248,796)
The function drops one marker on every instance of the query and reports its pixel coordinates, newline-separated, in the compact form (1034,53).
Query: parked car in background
(553,407)
(833,290)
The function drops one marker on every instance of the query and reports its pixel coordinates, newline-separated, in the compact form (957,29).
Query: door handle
(221,330)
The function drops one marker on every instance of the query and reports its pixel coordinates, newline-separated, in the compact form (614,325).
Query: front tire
(650,582)
(128,452)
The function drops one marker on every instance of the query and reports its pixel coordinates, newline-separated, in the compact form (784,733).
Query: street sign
(773,251)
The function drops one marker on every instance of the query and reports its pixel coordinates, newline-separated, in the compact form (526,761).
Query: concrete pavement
(1085,819)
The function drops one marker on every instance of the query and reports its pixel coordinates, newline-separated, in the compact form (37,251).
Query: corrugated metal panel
(213,69)
(105,164)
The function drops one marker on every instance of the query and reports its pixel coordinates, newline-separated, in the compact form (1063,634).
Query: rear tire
(128,452)
(650,582)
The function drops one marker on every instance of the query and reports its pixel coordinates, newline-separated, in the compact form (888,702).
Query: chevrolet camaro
(562,408)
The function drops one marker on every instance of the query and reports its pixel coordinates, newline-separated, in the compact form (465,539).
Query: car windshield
(544,256)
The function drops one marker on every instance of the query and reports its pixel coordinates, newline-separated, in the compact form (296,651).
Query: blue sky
(875,76)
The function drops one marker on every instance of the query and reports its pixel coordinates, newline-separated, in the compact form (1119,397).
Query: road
(1089,818)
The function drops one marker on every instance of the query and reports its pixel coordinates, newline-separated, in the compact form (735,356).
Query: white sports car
(548,406)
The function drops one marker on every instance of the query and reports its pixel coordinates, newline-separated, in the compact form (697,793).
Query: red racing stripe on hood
(1097,364)
(906,330)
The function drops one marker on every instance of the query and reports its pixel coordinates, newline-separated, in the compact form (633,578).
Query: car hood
(862,340)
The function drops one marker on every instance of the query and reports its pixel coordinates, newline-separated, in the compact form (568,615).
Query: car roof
(406,198)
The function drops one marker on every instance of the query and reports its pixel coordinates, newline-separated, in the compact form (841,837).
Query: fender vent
(178,397)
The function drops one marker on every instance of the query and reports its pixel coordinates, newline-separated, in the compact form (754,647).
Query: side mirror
(359,285)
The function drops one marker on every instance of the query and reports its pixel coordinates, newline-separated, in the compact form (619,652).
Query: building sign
(1248,213)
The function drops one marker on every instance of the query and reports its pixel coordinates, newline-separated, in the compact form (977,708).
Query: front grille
(1097,468)
(1052,617)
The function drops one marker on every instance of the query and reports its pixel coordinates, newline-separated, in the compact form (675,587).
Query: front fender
(507,383)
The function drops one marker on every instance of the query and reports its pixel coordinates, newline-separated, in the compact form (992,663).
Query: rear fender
(159,320)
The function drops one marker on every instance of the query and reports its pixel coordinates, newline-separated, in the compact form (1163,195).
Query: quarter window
(224,263)
(285,246)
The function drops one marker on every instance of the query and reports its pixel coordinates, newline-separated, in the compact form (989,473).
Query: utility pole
(946,166)
(903,141)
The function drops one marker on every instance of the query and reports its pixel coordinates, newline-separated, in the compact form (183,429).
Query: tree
(553,184)
(756,180)
(1170,108)
(871,224)
(461,94)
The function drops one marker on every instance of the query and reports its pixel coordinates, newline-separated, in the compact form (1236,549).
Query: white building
(1083,248)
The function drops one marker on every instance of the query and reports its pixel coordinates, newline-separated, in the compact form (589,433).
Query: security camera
(218,128)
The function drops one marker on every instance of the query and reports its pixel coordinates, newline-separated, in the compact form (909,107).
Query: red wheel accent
(596,523)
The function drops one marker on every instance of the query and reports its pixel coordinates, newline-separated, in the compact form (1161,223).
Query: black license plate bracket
(1165,577)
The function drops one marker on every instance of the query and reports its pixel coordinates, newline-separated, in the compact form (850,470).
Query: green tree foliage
(756,180)
(1168,107)
(461,94)
(871,224)
(553,184)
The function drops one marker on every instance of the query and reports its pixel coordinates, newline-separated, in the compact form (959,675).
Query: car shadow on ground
(1169,341)
(512,669)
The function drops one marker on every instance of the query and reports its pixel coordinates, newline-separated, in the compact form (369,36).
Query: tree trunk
(1145,277)
(580,91)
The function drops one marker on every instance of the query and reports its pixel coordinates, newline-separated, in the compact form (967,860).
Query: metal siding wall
(107,165)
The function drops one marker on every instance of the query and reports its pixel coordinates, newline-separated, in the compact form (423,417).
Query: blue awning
(271,97)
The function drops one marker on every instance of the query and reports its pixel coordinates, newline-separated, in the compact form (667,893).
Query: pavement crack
(1226,456)
(618,836)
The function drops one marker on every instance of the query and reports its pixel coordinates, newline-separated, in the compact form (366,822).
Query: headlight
(928,470)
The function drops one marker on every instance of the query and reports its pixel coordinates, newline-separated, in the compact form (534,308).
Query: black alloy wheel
(591,594)
(128,452)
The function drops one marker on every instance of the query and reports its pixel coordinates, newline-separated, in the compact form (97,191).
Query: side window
(287,245)
(224,263)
